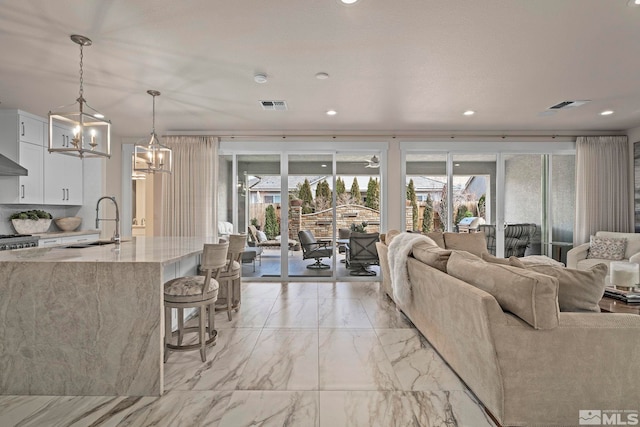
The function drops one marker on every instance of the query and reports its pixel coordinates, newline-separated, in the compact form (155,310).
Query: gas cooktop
(17,241)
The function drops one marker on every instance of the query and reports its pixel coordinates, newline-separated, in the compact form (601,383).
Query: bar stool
(229,295)
(195,292)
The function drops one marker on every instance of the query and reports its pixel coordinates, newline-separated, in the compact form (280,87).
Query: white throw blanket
(399,250)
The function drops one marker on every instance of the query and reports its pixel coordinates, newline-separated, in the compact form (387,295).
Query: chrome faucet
(116,234)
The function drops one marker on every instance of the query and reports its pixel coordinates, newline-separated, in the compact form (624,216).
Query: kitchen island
(88,321)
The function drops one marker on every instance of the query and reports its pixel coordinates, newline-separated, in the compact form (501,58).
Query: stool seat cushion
(189,286)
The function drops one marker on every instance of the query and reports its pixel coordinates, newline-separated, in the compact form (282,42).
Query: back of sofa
(457,319)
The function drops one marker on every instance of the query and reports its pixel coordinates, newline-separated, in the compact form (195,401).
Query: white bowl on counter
(69,223)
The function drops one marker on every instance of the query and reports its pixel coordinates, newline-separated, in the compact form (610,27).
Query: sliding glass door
(283,199)
(523,202)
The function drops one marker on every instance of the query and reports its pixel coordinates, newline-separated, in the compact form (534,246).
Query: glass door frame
(301,146)
(563,145)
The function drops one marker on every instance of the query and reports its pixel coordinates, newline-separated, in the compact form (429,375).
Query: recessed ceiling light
(456,164)
(606,113)
(348,1)
(260,78)
(323,165)
(322,76)
(469,113)
(332,113)
(633,3)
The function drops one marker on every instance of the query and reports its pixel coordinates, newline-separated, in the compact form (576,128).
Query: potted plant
(255,223)
(359,228)
(33,221)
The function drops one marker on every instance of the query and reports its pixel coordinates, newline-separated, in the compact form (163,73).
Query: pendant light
(152,157)
(82,131)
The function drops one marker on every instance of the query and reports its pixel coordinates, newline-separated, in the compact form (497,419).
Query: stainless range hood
(10,168)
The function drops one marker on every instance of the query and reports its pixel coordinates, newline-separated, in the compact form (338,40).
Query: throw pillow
(606,248)
(438,237)
(261,236)
(531,296)
(432,255)
(578,290)
(474,243)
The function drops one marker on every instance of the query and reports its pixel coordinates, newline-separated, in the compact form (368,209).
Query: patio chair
(312,249)
(362,253)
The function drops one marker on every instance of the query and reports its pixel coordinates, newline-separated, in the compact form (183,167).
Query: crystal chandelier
(151,156)
(82,131)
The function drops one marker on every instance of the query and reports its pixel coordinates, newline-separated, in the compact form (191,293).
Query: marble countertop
(163,250)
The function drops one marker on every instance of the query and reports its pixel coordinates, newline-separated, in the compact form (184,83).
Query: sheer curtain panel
(602,186)
(188,193)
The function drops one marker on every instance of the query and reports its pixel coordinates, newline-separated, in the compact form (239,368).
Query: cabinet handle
(63,194)
(67,194)
(67,138)
(22,123)
(22,188)
(63,140)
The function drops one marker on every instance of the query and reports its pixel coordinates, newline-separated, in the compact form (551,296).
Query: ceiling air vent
(568,104)
(274,105)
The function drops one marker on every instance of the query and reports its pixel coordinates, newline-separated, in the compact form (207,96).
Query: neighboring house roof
(272,182)
(423,183)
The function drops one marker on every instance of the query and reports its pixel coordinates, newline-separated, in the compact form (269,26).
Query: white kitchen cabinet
(63,182)
(22,139)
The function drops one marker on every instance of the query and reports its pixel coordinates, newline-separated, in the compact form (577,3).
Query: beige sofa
(577,257)
(523,376)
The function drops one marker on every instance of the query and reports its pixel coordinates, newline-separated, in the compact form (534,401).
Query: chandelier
(82,131)
(151,156)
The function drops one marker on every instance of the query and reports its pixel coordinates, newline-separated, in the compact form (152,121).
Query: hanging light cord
(153,127)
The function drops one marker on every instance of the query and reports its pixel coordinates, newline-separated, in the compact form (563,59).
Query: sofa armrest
(576,254)
(583,363)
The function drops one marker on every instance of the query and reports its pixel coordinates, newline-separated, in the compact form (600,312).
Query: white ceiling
(396,67)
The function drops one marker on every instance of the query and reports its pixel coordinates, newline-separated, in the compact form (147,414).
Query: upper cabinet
(23,140)
(54,178)
(62,173)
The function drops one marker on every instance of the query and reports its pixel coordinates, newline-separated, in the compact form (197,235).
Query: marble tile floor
(297,354)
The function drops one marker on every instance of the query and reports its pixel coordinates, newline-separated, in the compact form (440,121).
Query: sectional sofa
(500,329)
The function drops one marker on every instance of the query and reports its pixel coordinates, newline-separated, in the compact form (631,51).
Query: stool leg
(203,353)
(212,320)
(167,331)
(180,325)
(229,298)
(237,293)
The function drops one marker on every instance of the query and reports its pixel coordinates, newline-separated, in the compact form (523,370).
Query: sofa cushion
(578,290)
(531,296)
(486,256)
(438,237)
(607,248)
(433,256)
(474,243)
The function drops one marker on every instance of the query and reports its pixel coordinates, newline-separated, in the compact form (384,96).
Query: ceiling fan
(374,162)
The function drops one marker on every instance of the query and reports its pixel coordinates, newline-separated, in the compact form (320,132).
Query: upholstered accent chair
(312,249)
(517,238)
(362,253)
(581,259)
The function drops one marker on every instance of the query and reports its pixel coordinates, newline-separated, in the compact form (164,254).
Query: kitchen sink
(88,244)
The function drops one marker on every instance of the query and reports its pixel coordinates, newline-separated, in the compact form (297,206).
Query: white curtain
(188,193)
(602,186)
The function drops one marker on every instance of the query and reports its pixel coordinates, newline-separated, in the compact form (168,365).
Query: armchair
(362,253)
(312,249)
(517,238)
(577,257)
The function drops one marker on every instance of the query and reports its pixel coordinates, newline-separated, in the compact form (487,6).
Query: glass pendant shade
(79,130)
(151,156)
